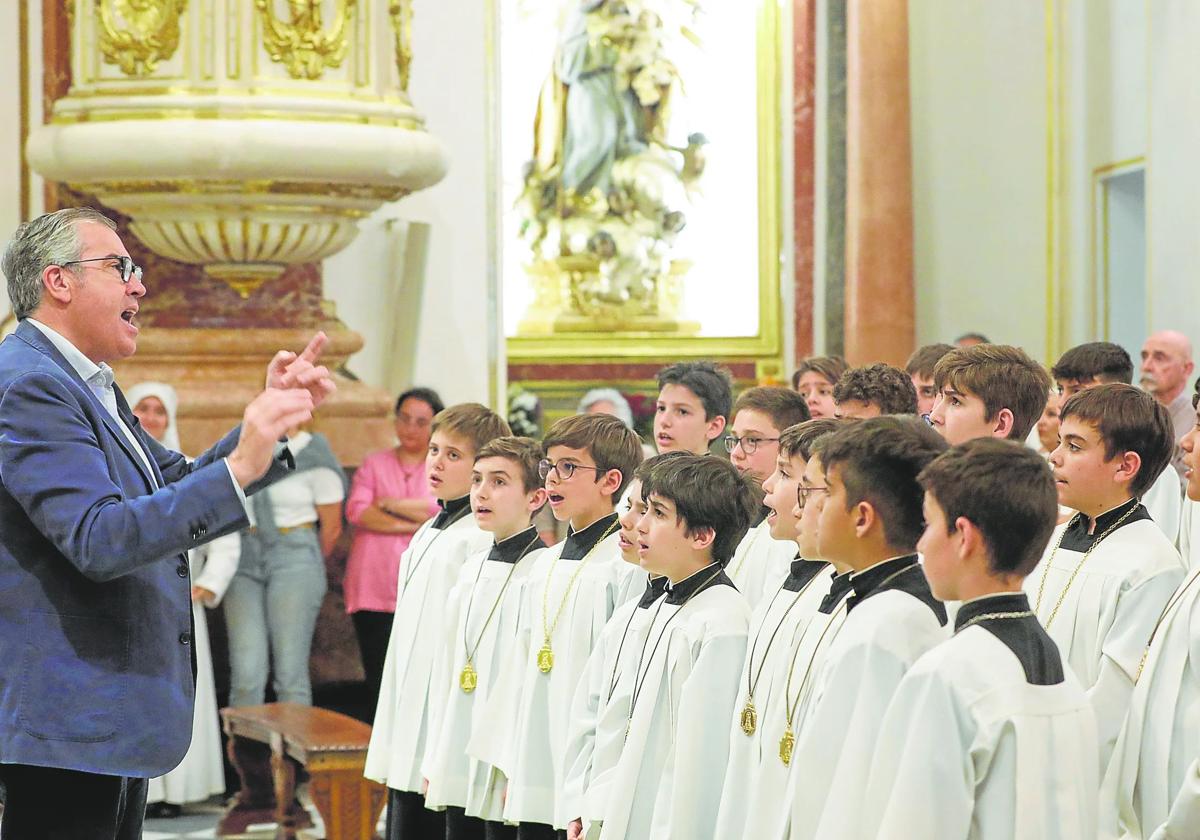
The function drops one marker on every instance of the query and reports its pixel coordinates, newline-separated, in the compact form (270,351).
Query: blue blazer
(95,590)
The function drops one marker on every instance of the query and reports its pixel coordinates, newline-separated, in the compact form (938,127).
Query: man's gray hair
(50,239)
(621,408)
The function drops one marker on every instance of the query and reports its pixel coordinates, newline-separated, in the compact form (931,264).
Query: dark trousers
(499,831)
(538,831)
(461,827)
(409,819)
(373,630)
(45,803)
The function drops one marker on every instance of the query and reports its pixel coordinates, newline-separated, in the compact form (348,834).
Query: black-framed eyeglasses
(927,418)
(563,469)
(125,265)
(803,492)
(749,444)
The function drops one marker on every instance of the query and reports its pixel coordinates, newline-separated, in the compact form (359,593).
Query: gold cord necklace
(1175,599)
(733,573)
(749,717)
(411,571)
(545,656)
(468,679)
(1050,560)
(612,678)
(994,616)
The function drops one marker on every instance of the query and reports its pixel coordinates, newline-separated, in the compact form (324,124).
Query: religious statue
(606,192)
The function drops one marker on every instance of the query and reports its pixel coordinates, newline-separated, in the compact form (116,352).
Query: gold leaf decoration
(136,35)
(302,45)
(401,12)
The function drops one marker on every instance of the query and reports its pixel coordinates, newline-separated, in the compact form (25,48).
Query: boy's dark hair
(1006,490)
(1100,360)
(829,368)
(426,395)
(1128,420)
(973,336)
(784,406)
(644,468)
(711,384)
(707,493)
(525,452)
(883,385)
(477,423)
(878,461)
(1002,376)
(924,359)
(799,440)
(612,444)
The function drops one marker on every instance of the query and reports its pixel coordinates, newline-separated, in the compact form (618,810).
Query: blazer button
(202,529)
(185,638)
(182,570)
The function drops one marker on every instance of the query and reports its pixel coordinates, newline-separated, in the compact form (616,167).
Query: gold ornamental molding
(150,33)
(302,45)
(401,12)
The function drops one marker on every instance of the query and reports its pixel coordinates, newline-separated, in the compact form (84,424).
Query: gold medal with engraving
(786,743)
(545,659)
(469,678)
(749,718)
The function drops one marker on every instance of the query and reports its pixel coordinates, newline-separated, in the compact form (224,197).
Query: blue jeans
(272,605)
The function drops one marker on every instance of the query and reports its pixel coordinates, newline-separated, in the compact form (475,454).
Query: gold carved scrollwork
(401,12)
(303,45)
(148,33)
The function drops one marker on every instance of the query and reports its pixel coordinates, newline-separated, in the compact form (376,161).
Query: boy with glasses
(919,368)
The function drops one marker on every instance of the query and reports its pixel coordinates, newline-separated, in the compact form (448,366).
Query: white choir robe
(970,749)
(524,732)
(667,782)
(456,779)
(880,639)
(760,561)
(1151,788)
(201,773)
(755,778)
(429,568)
(600,707)
(1164,501)
(1189,534)
(1108,613)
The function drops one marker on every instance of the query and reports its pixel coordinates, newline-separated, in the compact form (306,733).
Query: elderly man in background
(1166,369)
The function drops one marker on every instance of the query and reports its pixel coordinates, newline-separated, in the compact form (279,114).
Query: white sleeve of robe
(584,718)
(493,730)
(689,793)
(1184,821)
(221,558)
(442,681)
(1138,609)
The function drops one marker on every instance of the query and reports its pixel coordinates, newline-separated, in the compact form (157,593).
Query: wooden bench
(268,743)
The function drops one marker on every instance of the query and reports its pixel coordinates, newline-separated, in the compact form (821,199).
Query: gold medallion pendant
(749,718)
(545,660)
(785,746)
(468,679)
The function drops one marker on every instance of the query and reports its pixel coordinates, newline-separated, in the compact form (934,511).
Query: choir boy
(987,390)
(755,779)
(694,401)
(759,417)
(481,620)
(1100,363)
(984,736)
(571,592)
(1152,785)
(874,390)
(428,570)
(600,706)
(667,781)
(1109,570)
(919,368)
(870,522)
(814,380)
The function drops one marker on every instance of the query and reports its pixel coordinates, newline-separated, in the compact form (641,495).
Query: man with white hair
(607,401)
(1166,369)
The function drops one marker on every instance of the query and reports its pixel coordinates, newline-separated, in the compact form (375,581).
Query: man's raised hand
(287,370)
(268,418)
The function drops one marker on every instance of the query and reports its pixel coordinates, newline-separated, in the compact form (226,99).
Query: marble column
(804,115)
(879,302)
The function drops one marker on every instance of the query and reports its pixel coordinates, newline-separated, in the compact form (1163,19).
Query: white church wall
(979,119)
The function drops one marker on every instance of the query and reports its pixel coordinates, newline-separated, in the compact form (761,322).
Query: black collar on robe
(801,572)
(694,584)
(655,586)
(1077,537)
(517,546)
(451,511)
(1025,637)
(909,578)
(761,516)
(838,588)
(579,543)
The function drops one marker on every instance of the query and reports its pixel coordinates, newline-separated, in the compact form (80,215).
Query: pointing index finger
(314,348)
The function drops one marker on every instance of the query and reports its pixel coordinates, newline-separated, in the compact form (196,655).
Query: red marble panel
(804,58)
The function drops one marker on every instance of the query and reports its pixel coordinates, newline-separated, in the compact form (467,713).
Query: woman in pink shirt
(389,499)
